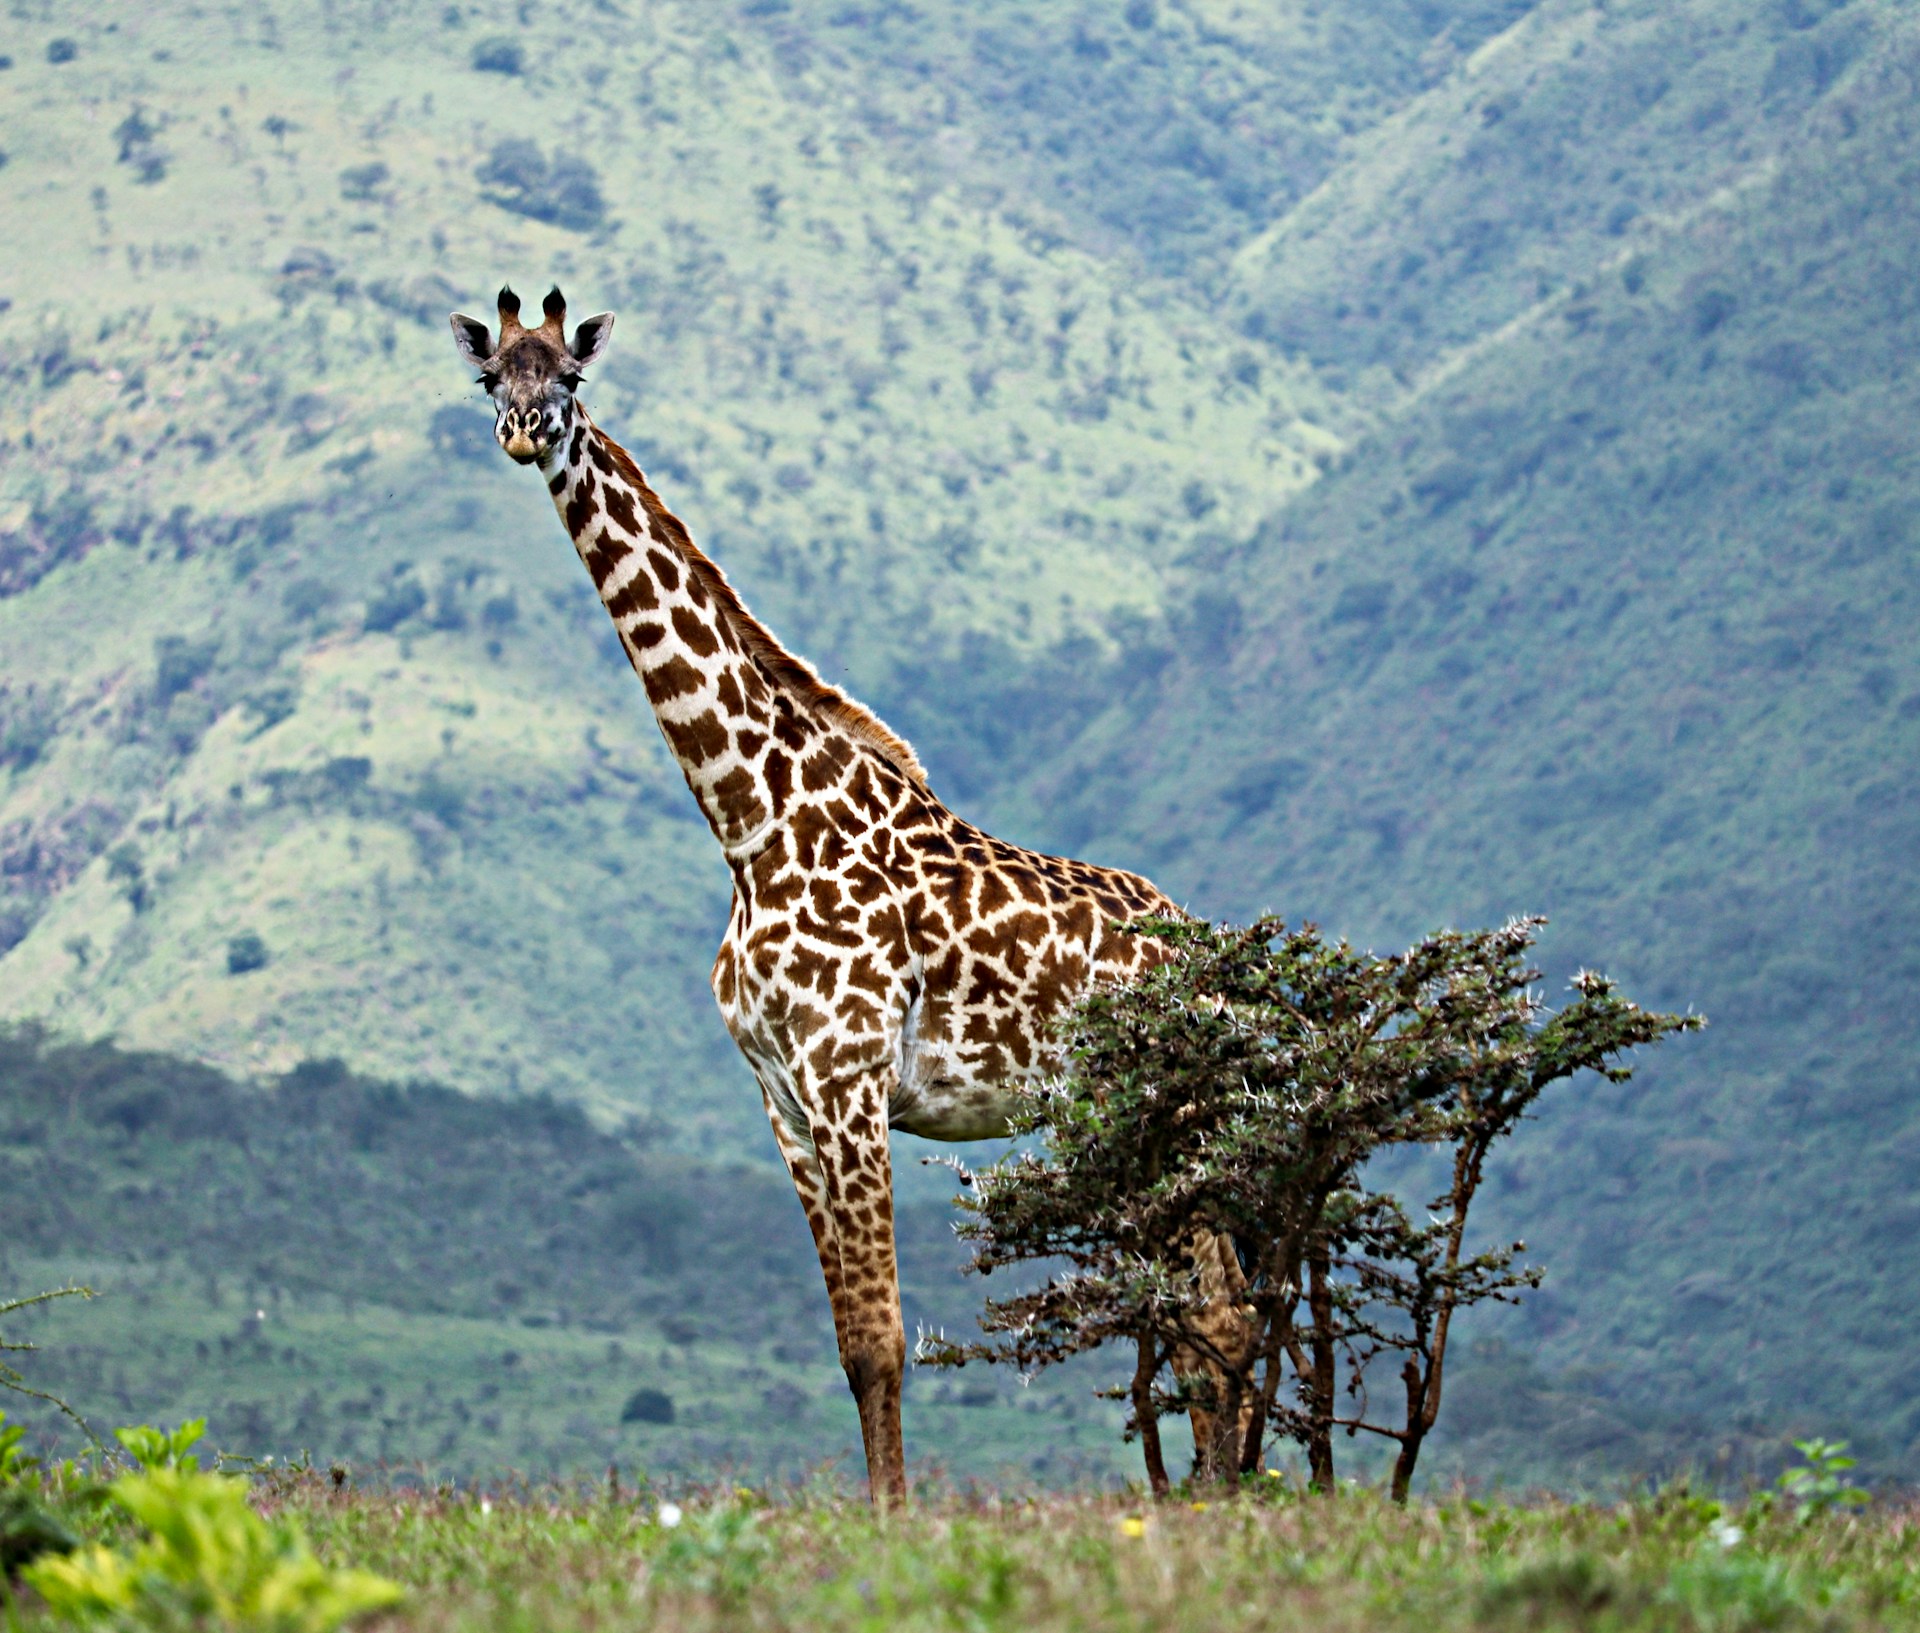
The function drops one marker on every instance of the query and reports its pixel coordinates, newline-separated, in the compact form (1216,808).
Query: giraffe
(886,964)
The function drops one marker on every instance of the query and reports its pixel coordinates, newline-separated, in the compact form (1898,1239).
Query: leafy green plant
(207,1557)
(721,1551)
(14,1463)
(30,1529)
(1818,1486)
(30,1524)
(156,1449)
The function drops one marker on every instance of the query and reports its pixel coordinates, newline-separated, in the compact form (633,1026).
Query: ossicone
(509,314)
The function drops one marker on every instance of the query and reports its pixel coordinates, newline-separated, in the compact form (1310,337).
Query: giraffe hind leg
(1228,1328)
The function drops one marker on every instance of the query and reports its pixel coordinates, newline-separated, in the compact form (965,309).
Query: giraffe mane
(792,672)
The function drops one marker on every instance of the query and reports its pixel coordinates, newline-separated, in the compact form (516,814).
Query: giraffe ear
(471,336)
(590,339)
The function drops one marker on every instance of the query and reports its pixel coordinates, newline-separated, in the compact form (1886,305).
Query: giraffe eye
(490,381)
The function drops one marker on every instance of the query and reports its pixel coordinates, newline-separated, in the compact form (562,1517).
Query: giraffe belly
(949,1109)
(937,1097)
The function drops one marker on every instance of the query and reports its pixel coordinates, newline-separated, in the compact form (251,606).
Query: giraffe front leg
(856,1170)
(804,1168)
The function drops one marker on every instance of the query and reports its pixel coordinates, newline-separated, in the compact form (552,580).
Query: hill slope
(453,1285)
(1615,619)
(293,654)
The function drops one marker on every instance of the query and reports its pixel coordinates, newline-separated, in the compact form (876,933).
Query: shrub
(1202,1176)
(394,605)
(246,952)
(347,773)
(1363,601)
(460,432)
(207,1559)
(442,800)
(125,869)
(29,721)
(648,1406)
(564,191)
(178,663)
(306,598)
(361,183)
(140,149)
(499,55)
(29,1528)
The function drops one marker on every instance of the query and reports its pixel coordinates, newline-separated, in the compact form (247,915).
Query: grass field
(419,1397)
(818,1559)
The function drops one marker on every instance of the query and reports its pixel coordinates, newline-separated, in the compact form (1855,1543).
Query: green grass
(411,1396)
(558,1559)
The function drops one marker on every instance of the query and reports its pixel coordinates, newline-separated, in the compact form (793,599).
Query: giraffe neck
(742,716)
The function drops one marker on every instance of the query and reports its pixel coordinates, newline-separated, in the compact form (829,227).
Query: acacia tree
(1198,1175)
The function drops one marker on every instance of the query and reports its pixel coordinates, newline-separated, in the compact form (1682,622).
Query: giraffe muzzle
(520,435)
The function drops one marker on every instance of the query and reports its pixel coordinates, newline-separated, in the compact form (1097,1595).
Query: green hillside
(1385,463)
(454,1286)
(1615,619)
(352,694)
(402,1277)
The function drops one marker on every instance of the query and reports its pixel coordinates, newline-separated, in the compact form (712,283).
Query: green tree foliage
(396,1191)
(1236,1093)
(246,953)
(564,190)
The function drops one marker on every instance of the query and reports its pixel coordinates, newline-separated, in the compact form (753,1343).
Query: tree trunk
(1418,1421)
(1145,1419)
(1322,1385)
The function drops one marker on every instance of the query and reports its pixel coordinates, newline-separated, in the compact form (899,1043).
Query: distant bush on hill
(499,56)
(563,190)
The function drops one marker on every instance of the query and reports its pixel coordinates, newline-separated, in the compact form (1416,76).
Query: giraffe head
(531,373)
